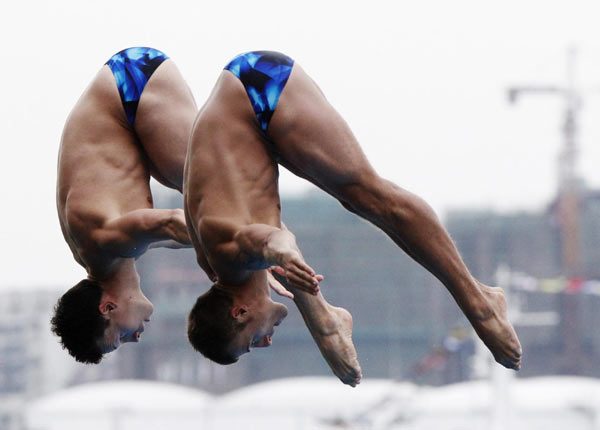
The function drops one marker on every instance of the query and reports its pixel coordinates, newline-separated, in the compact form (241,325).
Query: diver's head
(91,322)
(78,322)
(126,316)
(223,326)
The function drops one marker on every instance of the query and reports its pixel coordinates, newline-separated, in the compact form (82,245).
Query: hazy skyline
(422,85)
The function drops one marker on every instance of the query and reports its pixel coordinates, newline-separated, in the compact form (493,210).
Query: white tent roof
(314,395)
(324,403)
(542,393)
(133,395)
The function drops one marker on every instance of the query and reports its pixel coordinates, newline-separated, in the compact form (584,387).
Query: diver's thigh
(164,120)
(312,137)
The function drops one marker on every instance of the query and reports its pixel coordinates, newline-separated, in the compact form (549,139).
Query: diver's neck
(123,279)
(255,287)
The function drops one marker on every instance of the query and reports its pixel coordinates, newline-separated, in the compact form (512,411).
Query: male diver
(132,122)
(266,110)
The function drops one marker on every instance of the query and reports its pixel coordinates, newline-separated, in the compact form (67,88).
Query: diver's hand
(283,254)
(310,290)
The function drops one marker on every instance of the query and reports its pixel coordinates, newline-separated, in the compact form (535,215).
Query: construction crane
(568,194)
(567,204)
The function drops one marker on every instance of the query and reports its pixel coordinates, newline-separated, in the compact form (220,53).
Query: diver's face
(126,323)
(259,331)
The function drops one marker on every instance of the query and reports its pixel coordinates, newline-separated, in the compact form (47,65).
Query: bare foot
(494,329)
(333,335)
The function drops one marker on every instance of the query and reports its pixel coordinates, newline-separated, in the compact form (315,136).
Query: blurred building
(27,352)
(406,325)
(530,243)
(399,310)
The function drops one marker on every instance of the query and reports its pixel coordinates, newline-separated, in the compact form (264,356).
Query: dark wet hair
(211,327)
(78,322)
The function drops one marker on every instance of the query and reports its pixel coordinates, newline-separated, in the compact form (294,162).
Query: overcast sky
(422,85)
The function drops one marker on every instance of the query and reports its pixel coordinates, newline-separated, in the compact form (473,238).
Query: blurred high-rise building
(406,325)
(28,352)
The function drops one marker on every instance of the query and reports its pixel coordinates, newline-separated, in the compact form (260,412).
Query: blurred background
(489,112)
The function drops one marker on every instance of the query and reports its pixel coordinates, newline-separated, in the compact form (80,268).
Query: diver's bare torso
(104,167)
(234,177)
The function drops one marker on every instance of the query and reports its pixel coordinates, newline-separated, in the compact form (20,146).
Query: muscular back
(104,165)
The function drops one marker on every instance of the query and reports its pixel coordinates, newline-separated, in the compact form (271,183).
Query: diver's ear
(107,306)
(240,312)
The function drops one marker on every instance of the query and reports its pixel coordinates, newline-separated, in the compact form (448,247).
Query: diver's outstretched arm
(131,234)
